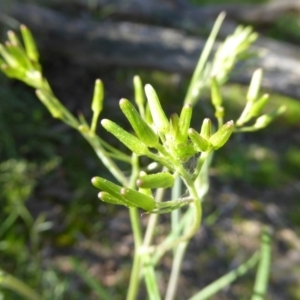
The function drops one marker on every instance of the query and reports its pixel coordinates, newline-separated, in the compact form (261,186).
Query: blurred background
(49,210)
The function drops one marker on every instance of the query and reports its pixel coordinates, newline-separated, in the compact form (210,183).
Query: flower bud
(13,38)
(174,121)
(184,122)
(139,94)
(258,105)
(112,189)
(266,119)
(216,97)
(200,143)
(139,199)
(97,102)
(219,138)
(254,85)
(106,197)
(153,181)
(140,127)
(159,118)
(10,60)
(205,131)
(30,46)
(130,141)
(19,55)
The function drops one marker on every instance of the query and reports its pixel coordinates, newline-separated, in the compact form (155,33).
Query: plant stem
(95,142)
(176,266)
(137,235)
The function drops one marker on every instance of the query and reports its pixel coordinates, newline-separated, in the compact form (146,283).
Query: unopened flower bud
(130,141)
(200,143)
(140,127)
(222,135)
(139,199)
(158,180)
(159,118)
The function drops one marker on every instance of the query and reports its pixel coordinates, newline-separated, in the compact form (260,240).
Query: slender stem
(179,250)
(176,267)
(134,278)
(95,142)
(152,220)
(137,235)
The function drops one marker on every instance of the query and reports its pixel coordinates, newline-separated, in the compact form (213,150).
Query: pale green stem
(152,220)
(175,272)
(95,142)
(179,250)
(193,228)
(137,235)
(174,234)
(193,92)
(94,121)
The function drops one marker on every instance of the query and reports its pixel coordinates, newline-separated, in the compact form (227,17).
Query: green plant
(168,144)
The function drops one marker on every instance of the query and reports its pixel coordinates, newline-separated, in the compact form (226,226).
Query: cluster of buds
(169,142)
